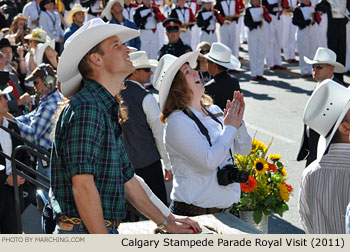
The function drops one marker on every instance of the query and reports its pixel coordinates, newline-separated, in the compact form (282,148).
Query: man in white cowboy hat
(324,191)
(143,131)
(91,173)
(323,67)
(114,13)
(75,17)
(8,143)
(222,86)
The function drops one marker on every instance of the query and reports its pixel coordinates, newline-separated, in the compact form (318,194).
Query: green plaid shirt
(88,141)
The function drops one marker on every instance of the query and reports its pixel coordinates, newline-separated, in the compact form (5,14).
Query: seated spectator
(8,220)
(18,30)
(75,17)
(38,124)
(324,190)
(46,53)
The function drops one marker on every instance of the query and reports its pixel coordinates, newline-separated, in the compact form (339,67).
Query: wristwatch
(164,223)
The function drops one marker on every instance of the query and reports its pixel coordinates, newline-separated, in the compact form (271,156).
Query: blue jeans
(81,229)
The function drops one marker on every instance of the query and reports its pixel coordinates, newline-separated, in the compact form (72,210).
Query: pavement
(274,109)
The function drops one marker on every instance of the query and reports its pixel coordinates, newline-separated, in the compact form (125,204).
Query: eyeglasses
(147,70)
(319,67)
(204,51)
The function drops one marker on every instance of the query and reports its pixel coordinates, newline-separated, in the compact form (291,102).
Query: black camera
(230,174)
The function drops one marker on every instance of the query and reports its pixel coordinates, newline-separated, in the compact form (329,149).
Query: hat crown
(139,58)
(220,52)
(39,34)
(78,7)
(163,66)
(325,54)
(325,106)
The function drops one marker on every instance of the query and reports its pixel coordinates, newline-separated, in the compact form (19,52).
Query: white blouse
(195,162)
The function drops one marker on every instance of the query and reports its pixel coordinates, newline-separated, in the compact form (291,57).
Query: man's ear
(95,59)
(344,128)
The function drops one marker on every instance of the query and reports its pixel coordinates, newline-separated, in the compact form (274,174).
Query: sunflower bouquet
(266,190)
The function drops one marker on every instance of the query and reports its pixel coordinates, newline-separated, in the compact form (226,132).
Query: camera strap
(202,128)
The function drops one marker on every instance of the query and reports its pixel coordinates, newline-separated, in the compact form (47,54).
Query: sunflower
(284,193)
(260,166)
(272,167)
(284,172)
(249,185)
(275,157)
(256,144)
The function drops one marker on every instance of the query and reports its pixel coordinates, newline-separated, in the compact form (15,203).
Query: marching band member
(229,31)
(272,35)
(304,16)
(206,20)
(185,15)
(196,31)
(129,10)
(253,19)
(146,18)
(288,30)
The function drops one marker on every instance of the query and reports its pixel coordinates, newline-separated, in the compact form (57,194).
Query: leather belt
(77,221)
(195,210)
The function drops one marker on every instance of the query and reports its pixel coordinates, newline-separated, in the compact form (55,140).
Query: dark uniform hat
(172,24)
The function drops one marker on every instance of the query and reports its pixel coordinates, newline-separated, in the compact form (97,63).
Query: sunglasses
(147,70)
(319,67)
(36,82)
(204,51)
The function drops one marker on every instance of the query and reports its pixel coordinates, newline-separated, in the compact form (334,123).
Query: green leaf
(267,212)
(279,164)
(257,216)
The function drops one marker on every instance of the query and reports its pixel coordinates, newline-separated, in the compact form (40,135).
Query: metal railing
(21,169)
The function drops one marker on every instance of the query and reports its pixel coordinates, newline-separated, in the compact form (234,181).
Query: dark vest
(137,134)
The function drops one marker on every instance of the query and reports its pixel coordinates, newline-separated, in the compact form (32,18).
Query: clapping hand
(233,113)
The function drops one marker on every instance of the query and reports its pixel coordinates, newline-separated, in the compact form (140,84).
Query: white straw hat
(325,111)
(39,52)
(38,34)
(140,60)
(107,10)
(326,56)
(79,44)
(76,8)
(222,55)
(167,68)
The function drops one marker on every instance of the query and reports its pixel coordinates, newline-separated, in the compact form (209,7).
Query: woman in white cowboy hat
(324,191)
(196,157)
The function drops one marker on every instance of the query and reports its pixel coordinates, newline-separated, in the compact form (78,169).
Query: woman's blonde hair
(179,97)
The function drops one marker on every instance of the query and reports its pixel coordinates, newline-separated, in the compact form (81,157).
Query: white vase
(247,216)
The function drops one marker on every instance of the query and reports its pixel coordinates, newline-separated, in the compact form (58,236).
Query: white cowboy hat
(38,34)
(325,111)
(76,8)
(6,90)
(168,67)
(79,44)
(39,52)
(326,56)
(140,60)
(222,55)
(107,10)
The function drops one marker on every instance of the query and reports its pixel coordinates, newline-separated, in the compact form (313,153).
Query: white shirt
(152,111)
(31,10)
(195,162)
(325,192)
(51,23)
(338,8)
(6,145)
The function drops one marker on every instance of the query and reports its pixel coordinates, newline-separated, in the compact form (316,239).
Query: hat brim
(169,74)
(6,90)
(233,64)
(70,14)
(107,10)
(151,64)
(80,43)
(30,37)
(338,67)
(39,54)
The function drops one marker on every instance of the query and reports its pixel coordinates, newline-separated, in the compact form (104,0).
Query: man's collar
(104,95)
